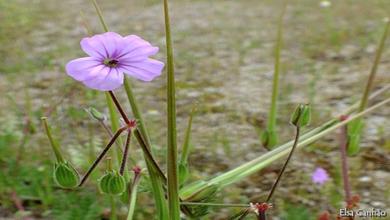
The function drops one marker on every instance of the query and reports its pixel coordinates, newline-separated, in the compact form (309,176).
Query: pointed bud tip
(96,114)
(301,116)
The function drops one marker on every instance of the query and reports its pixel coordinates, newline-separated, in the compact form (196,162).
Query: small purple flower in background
(319,176)
(111,56)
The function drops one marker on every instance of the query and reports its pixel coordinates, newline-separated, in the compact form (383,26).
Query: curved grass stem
(253,166)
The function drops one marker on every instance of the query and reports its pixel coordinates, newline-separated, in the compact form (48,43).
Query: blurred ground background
(223,52)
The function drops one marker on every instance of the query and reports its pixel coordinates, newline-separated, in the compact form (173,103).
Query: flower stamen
(111,62)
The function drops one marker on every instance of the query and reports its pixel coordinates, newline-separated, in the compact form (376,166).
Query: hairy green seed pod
(65,175)
(301,116)
(112,183)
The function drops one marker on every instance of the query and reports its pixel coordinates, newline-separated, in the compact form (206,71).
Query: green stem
(133,195)
(156,181)
(114,126)
(148,154)
(374,68)
(275,85)
(187,138)
(113,208)
(264,160)
(100,14)
(136,112)
(355,128)
(53,143)
(173,181)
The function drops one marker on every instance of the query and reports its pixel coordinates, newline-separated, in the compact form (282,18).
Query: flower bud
(301,116)
(65,175)
(112,183)
(96,114)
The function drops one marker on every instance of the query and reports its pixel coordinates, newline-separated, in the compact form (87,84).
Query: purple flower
(111,56)
(319,176)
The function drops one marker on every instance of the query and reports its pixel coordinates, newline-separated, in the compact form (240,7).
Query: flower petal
(139,54)
(102,46)
(106,79)
(145,70)
(136,48)
(81,69)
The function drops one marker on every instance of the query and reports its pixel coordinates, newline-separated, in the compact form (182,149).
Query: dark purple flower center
(111,62)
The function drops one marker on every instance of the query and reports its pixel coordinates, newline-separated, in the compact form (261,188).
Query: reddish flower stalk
(125,152)
(285,164)
(344,160)
(119,107)
(101,155)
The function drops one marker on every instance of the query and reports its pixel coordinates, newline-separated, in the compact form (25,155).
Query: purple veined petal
(134,43)
(139,54)
(81,69)
(113,42)
(145,70)
(93,48)
(106,79)
(102,45)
